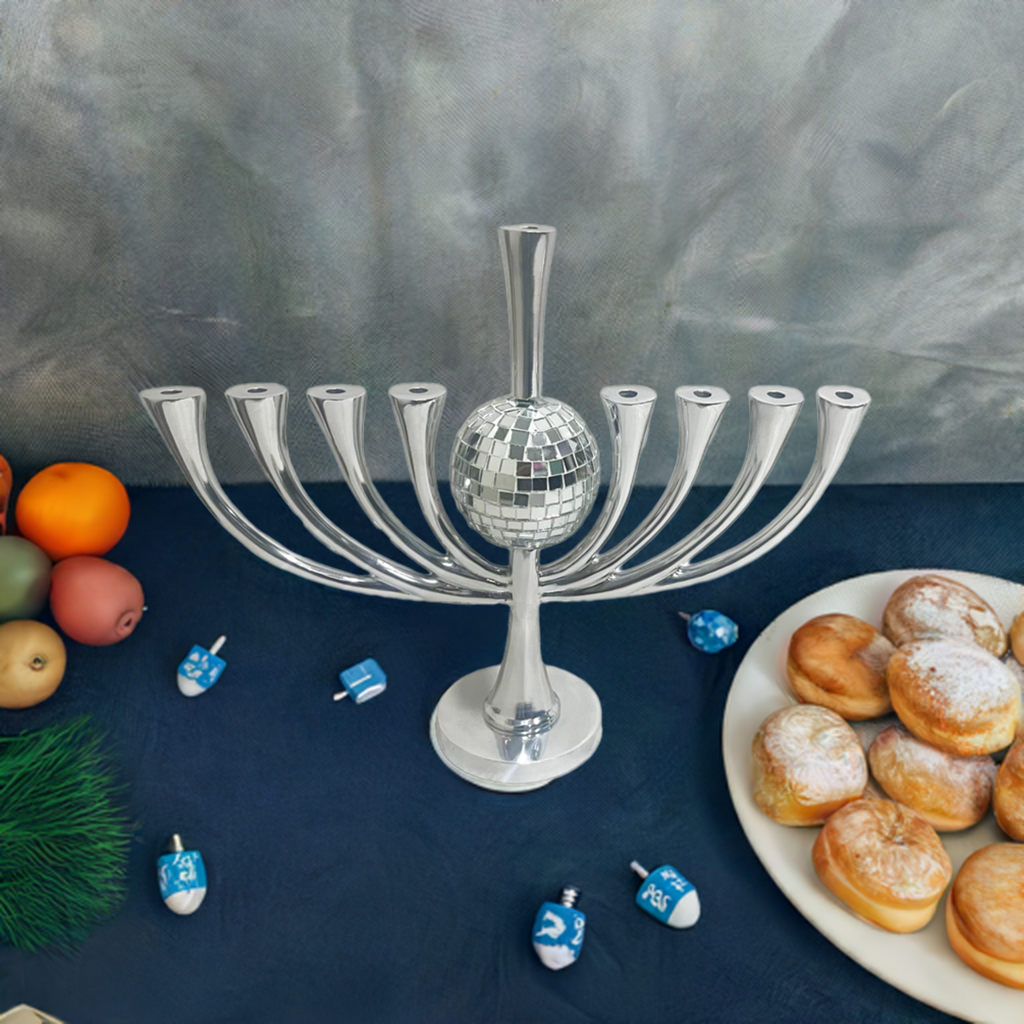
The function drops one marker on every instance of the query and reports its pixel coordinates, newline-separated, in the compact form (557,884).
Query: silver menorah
(524,472)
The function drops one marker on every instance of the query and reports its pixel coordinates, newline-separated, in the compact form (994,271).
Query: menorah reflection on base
(524,472)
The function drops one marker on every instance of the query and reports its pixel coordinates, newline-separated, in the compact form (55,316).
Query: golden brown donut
(1008,796)
(807,762)
(930,605)
(839,661)
(1017,671)
(1017,637)
(955,695)
(950,792)
(885,862)
(985,913)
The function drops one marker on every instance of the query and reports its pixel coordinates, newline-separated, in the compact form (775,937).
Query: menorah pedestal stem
(477,753)
(520,724)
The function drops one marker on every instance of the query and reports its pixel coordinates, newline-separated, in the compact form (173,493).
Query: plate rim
(864,943)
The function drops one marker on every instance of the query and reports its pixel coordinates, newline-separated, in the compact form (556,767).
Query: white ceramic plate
(921,964)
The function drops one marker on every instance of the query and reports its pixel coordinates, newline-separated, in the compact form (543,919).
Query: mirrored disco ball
(525,472)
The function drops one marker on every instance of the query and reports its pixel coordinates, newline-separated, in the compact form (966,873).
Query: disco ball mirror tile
(525,472)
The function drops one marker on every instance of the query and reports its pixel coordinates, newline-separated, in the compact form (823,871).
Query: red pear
(95,601)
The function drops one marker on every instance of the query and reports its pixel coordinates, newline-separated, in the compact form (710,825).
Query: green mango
(24,578)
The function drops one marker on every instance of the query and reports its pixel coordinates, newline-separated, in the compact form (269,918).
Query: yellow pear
(32,659)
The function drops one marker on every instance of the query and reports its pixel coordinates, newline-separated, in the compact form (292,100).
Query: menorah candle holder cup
(524,472)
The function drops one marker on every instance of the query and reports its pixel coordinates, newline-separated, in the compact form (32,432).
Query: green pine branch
(63,836)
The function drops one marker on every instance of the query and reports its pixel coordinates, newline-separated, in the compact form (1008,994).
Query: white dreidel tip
(667,895)
(201,668)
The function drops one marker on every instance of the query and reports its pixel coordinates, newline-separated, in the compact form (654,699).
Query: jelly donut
(807,763)
(930,606)
(885,862)
(985,913)
(950,792)
(955,695)
(839,661)
(1008,795)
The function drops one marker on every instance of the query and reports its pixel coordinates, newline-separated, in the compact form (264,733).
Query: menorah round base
(474,751)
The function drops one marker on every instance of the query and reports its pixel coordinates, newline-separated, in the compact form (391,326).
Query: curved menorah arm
(841,410)
(628,410)
(339,410)
(699,411)
(179,414)
(261,411)
(773,411)
(418,412)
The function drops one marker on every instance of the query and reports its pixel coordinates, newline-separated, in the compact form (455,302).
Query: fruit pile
(68,515)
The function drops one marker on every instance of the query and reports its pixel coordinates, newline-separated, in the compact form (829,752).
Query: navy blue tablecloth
(353,878)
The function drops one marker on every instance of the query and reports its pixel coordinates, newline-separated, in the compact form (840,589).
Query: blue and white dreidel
(201,668)
(558,930)
(710,631)
(667,896)
(362,682)
(182,877)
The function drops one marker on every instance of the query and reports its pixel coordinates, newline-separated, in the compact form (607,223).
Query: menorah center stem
(526,258)
(522,701)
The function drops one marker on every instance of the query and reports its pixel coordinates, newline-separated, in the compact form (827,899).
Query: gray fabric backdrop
(795,192)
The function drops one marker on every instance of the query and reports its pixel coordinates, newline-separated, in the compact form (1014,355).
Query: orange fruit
(73,508)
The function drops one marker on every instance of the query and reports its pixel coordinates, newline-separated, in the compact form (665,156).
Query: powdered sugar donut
(930,606)
(885,862)
(955,695)
(807,762)
(950,792)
